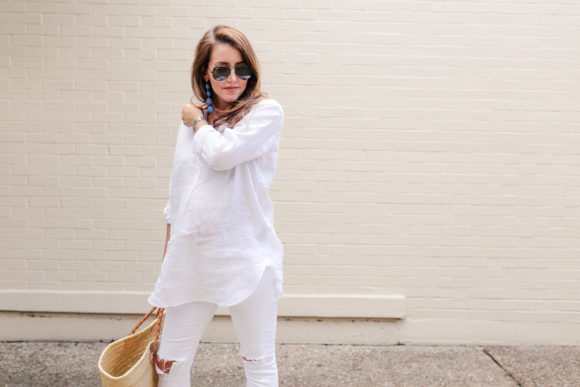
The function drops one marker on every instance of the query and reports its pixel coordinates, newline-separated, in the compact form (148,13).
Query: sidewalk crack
(508,373)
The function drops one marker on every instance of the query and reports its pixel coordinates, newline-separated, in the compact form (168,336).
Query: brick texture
(431,149)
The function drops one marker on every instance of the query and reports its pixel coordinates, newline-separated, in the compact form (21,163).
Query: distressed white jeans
(254,320)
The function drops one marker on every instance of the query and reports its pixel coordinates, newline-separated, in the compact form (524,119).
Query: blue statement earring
(208,100)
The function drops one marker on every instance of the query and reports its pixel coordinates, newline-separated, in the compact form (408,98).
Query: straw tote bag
(128,362)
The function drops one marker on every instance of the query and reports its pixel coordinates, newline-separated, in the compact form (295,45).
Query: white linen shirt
(222,219)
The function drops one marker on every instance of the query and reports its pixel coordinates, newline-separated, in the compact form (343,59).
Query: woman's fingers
(189,113)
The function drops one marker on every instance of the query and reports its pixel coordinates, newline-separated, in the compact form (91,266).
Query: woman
(221,247)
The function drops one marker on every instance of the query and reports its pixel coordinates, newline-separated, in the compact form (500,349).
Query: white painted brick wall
(431,149)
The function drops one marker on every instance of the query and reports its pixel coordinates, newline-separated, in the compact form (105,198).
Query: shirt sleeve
(167,212)
(167,209)
(249,139)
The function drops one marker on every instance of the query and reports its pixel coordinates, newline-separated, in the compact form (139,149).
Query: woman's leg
(182,329)
(255,323)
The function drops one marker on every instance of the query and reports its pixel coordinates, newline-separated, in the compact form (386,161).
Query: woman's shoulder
(269,103)
(268,106)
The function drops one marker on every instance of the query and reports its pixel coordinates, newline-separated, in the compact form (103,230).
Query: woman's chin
(230,99)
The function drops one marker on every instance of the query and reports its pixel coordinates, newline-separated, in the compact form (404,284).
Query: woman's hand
(189,113)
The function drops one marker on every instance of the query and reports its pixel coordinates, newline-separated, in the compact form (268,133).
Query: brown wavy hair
(250,96)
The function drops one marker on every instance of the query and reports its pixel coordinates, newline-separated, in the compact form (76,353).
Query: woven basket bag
(128,362)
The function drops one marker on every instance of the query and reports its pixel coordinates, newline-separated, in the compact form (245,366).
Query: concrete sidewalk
(75,364)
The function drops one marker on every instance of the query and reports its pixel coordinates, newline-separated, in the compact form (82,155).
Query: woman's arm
(167,236)
(249,140)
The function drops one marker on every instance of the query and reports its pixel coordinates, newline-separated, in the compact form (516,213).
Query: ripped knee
(163,366)
(259,360)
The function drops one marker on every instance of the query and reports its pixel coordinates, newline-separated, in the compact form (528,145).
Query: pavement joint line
(508,373)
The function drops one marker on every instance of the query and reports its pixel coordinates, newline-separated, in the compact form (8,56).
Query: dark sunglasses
(220,73)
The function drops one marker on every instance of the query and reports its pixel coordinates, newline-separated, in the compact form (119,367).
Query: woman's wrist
(197,122)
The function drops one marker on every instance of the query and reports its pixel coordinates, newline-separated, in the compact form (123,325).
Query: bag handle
(160,317)
(159,312)
(140,322)
(155,344)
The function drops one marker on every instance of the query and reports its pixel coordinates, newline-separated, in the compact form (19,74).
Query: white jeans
(255,324)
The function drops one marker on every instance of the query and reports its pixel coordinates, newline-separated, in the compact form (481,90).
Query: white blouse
(222,219)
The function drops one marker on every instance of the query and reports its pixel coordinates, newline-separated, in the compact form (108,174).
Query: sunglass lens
(244,72)
(220,73)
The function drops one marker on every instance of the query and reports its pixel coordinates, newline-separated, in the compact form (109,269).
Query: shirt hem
(153,301)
